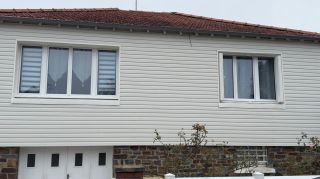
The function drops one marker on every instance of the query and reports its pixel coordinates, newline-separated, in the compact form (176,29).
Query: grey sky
(298,14)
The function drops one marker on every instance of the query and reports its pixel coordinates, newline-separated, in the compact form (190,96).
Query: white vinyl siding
(165,84)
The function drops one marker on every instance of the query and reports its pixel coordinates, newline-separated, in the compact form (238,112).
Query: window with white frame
(250,78)
(67,72)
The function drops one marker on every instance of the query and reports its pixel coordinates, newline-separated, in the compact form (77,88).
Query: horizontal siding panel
(165,84)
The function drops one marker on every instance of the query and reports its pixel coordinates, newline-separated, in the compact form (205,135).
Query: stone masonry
(212,161)
(9,162)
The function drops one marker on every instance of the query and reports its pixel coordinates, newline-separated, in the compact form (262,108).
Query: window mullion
(235,79)
(69,81)
(256,78)
(44,71)
(94,72)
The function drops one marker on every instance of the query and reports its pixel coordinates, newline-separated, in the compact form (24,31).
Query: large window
(67,72)
(250,78)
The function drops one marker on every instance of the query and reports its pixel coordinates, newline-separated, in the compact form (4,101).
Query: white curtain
(58,63)
(245,77)
(266,78)
(81,66)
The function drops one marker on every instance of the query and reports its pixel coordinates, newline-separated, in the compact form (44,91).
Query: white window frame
(278,80)
(43,98)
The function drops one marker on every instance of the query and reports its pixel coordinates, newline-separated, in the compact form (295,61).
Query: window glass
(228,76)
(81,71)
(78,159)
(55,160)
(266,78)
(245,77)
(30,70)
(31,160)
(57,71)
(107,73)
(102,159)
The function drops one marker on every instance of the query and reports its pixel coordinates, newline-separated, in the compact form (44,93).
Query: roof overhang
(128,27)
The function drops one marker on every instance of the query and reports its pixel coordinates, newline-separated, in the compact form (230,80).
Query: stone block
(12,163)
(129,162)
(3,160)
(12,176)
(9,170)
(120,156)
(4,150)
(14,150)
(8,156)
(3,176)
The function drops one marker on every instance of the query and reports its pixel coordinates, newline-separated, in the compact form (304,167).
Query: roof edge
(96,25)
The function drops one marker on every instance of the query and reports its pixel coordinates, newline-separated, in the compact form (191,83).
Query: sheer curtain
(81,71)
(266,78)
(245,77)
(57,70)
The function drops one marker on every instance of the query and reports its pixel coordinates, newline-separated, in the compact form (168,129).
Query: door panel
(100,170)
(55,172)
(31,172)
(80,168)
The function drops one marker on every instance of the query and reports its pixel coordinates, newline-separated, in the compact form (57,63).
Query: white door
(55,160)
(31,163)
(65,163)
(79,161)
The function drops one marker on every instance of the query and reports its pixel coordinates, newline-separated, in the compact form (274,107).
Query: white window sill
(251,105)
(262,169)
(65,101)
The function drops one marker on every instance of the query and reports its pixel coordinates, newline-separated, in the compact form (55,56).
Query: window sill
(65,101)
(251,105)
(262,169)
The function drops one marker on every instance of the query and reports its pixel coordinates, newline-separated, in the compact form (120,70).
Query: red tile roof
(171,21)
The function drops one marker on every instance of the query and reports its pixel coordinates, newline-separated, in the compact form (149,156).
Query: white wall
(165,84)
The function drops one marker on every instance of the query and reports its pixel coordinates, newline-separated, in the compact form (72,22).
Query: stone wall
(211,161)
(294,160)
(9,162)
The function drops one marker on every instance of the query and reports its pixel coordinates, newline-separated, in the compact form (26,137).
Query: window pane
(266,78)
(102,159)
(107,73)
(30,70)
(31,160)
(245,77)
(78,159)
(228,76)
(57,71)
(55,160)
(81,71)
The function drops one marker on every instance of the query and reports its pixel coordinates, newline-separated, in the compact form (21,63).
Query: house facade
(82,91)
